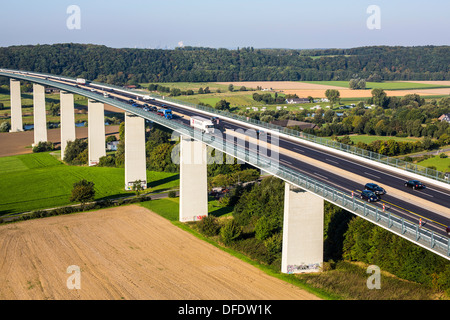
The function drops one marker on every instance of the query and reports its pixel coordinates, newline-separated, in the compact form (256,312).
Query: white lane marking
(369,174)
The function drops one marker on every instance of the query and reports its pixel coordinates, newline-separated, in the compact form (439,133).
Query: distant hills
(192,64)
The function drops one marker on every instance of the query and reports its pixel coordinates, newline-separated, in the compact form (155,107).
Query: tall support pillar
(193,180)
(135,162)
(302,231)
(67,120)
(16,106)
(40,114)
(96,131)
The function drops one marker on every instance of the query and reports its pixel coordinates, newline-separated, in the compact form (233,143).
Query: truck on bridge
(203,124)
(166,113)
(81,81)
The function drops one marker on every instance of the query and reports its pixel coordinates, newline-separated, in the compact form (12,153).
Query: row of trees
(132,66)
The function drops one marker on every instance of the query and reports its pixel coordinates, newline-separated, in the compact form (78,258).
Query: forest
(197,64)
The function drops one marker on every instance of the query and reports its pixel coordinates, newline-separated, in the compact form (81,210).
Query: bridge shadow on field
(154,184)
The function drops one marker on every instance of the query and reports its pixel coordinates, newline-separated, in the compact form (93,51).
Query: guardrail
(400,226)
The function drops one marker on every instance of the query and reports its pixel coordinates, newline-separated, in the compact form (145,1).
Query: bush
(76,152)
(209,226)
(265,227)
(172,194)
(273,245)
(230,232)
(43,146)
(5,126)
(107,161)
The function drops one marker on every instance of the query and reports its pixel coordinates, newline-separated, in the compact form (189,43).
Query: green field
(388,85)
(38,181)
(441,164)
(368,139)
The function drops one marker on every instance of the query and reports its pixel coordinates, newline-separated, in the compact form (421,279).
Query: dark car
(369,196)
(375,189)
(415,184)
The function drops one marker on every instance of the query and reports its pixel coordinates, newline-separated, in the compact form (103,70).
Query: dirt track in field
(125,253)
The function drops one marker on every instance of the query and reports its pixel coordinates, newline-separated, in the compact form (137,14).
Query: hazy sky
(227,24)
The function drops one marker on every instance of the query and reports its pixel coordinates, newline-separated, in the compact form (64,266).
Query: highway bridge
(314,169)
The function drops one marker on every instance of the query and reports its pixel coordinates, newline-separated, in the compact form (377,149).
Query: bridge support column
(302,231)
(67,120)
(96,131)
(16,106)
(135,162)
(193,180)
(40,114)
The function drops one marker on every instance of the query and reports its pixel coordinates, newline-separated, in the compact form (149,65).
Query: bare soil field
(14,143)
(125,253)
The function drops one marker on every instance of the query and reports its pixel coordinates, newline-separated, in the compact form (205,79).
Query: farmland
(37,181)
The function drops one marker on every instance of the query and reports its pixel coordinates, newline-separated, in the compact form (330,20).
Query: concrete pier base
(135,162)
(67,120)
(302,231)
(96,131)
(16,106)
(193,180)
(40,114)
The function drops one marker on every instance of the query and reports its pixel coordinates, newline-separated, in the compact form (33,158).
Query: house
(445,117)
(297,100)
(112,146)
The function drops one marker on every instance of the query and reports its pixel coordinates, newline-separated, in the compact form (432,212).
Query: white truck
(203,124)
(81,81)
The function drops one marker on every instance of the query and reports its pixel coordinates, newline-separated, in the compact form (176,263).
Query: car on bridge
(375,189)
(415,184)
(369,196)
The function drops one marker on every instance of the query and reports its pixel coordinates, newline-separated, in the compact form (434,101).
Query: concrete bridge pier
(193,180)
(16,106)
(135,161)
(96,131)
(302,231)
(67,120)
(40,114)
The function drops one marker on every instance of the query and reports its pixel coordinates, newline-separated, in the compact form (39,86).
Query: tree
(137,187)
(223,105)
(230,231)
(54,109)
(333,95)
(74,150)
(5,126)
(379,97)
(83,191)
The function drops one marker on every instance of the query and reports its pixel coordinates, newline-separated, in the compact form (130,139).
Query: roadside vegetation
(252,232)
